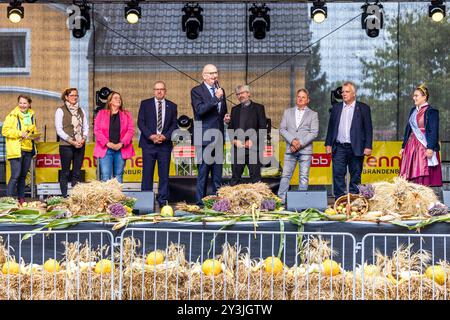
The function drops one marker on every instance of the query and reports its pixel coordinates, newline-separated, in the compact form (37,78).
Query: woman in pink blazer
(114,131)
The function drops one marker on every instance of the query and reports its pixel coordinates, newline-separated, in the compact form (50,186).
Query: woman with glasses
(114,131)
(19,130)
(420,150)
(72,128)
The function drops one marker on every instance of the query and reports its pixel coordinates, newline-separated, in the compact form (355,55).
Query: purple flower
(367,191)
(268,204)
(117,210)
(61,215)
(222,205)
(438,209)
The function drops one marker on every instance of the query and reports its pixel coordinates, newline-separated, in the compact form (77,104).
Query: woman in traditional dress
(420,149)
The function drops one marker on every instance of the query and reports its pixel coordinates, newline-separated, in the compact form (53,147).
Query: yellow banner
(48,164)
(383,164)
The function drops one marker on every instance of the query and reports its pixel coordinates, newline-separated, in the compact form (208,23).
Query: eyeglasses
(159,89)
(73,95)
(211,73)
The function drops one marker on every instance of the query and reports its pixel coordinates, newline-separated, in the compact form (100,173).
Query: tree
(316,84)
(416,52)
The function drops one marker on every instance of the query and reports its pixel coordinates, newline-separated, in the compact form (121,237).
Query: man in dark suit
(349,139)
(157,120)
(247,119)
(210,112)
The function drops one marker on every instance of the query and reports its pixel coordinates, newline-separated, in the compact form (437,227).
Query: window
(14,51)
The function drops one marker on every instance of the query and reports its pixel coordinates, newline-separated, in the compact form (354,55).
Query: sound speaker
(300,200)
(145,201)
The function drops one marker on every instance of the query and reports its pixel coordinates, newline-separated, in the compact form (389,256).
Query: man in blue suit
(210,112)
(157,120)
(349,139)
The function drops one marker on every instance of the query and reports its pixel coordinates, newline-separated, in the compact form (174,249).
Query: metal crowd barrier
(181,264)
(57,265)
(404,267)
(229,265)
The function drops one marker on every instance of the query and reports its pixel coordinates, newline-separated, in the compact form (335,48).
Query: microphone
(216,84)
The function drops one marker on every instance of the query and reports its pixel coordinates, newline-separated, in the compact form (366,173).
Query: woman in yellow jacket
(18,128)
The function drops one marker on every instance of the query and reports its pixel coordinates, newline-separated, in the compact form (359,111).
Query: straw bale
(88,285)
(199,286)
(159,284)
(375,287)
(257,284)
(94,197)
(155,282)
(243,196)
(37,286)
(316,286)
(419,288)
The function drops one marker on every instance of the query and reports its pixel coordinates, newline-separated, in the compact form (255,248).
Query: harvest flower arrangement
(89,202)
(243,198)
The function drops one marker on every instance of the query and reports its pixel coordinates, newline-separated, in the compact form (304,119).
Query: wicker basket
(360,202)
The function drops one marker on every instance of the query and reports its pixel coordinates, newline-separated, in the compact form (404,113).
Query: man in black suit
(210,112)
(247,119)
(349,139)
(157,120)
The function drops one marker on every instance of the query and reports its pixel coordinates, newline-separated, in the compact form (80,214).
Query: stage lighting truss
(372,18)
(133,12)
(79,19)
(436,10)
(192,20)
(318,11)
(15,12)
(259,20)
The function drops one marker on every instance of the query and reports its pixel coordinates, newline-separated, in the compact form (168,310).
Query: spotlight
(372,19)
(15,12)
(436,10)
(336,95)
(184,122)
(319,11)
(81,20)
(192,20)
(133,12)
(100,98)
(259,21)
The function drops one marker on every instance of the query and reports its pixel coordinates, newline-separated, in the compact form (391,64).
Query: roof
(159,32)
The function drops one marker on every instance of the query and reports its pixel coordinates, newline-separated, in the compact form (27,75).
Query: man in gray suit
(299,127)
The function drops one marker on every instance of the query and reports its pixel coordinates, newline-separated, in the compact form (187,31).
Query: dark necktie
(160,127)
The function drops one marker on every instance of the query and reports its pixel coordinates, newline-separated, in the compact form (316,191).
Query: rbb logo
(321,160)
(48,161)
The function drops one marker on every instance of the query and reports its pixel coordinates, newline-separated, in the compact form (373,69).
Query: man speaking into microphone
(210,112)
